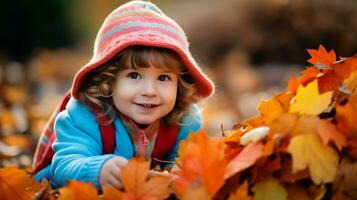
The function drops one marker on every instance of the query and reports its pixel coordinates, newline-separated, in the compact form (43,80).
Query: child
(144,79)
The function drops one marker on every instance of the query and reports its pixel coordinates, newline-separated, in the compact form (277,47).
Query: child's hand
(109,175)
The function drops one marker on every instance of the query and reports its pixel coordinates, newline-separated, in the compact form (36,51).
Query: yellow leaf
(269,188)
(307,150)
(309,101)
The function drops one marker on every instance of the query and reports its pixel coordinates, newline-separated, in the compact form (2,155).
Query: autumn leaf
(246,158)
(196,193)
(199,168)
(346,116)
(270,109)
(17,184)
(345,67)
(309,101)
(308,75)
(329,81)
(321,56)
(351,81)
(328,132)
(270,188)
(293,84)
(305,124)
(307,150)
(112,193)
(134,178)
(241,193)
(78,190)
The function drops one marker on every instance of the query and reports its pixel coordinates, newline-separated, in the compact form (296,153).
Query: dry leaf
(328,132)
(321,56)
(17,184)
(270,188)
(246,158)
(78,190)
(134,178)
(307,150)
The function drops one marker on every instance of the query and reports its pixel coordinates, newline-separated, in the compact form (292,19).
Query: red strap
(165,142)
(45,156)
(107,133)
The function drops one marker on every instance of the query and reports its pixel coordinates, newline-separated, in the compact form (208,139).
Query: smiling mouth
(147,105)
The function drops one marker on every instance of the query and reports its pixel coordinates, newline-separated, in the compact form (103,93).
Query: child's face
(145,94)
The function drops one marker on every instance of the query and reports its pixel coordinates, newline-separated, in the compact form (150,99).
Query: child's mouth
(147,105)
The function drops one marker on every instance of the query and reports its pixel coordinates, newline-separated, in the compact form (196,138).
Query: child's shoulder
(78,113)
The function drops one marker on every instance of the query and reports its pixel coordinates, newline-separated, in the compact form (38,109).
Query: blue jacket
(78,147)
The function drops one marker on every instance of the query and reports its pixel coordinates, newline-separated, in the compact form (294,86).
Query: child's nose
(149,88)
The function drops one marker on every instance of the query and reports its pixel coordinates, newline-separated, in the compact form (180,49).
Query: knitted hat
(141,23)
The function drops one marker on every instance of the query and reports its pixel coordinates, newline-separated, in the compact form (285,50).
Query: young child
(143,77)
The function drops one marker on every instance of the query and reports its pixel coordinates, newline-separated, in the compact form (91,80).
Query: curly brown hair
(96,90)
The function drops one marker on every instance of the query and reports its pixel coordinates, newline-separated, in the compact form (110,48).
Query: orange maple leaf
(134,177)
(78,190)
(328,132)
(17,184)
(204,163)
(321,56)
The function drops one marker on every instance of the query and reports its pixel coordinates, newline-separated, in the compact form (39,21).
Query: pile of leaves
(303,145)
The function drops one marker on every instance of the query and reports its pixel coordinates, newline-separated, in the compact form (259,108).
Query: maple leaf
(321,56)
(241,193)
(246,158)
(309,101)
(134,178)
(328,132)
(270,109)
(307,150)
(17,184)
(269,188)
(198,168)
(78,190)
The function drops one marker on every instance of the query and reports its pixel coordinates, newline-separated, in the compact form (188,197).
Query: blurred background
(248,47)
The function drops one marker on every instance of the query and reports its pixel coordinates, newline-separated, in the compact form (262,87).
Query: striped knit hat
(142,23)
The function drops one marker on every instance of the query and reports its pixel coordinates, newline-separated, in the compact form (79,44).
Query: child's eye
(164,78)
(134,75)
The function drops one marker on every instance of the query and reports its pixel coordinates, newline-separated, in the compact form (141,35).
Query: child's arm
(78,149)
